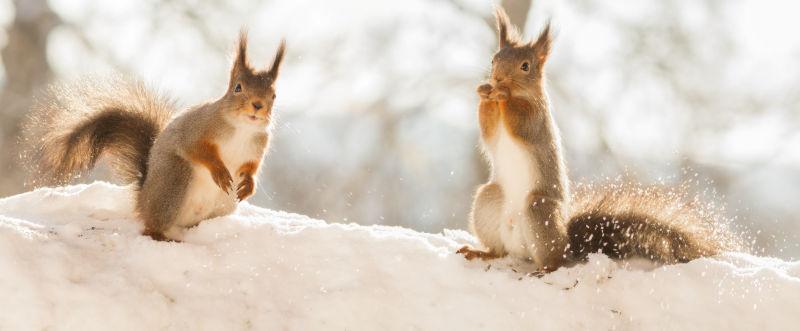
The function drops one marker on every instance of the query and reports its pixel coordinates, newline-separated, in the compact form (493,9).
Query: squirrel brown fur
(656,222)
(185,169)
(526,209)
(521,210)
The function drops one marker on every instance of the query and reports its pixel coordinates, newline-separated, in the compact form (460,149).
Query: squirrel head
(518,64)
(252,92)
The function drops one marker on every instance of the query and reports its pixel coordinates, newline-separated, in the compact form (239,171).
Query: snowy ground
(72,258)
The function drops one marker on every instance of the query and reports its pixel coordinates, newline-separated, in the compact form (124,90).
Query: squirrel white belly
(204,200)
(517,174)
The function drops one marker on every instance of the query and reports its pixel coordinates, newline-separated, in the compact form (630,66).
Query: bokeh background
(376,103)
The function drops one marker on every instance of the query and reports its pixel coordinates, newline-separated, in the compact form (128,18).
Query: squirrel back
(73,125)
(657,223)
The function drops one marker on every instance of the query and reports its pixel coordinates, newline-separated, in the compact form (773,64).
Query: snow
(72,258)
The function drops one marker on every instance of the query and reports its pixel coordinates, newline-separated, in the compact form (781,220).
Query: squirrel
(185,169)
(526,211)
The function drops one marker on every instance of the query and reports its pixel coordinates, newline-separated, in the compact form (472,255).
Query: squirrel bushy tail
(660,224)
(73,125)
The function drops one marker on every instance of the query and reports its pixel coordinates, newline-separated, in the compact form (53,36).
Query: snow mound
(72,258)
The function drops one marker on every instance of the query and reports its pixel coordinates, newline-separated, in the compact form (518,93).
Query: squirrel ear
(240,64)
(541,47)
(276,63)
(506,33)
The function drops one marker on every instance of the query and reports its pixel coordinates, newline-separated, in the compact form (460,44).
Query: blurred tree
(27,71)
(518,11)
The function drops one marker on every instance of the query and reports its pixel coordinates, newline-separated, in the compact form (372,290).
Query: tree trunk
(517,11)
(27,71)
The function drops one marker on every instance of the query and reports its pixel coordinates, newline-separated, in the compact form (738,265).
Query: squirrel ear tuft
(506,33)
(276,63)
(240,63)
(541,47)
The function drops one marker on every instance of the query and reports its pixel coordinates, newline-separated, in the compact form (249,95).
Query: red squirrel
(525,210)
(185,169)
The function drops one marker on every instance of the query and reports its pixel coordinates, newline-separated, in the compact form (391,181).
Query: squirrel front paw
(222,177)
(246,188)
(484,90)
(500,93)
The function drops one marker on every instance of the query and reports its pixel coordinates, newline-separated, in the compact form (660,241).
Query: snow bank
(72,258)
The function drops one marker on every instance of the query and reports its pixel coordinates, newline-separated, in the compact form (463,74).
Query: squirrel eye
(273,96)
(525,66)
(238,88)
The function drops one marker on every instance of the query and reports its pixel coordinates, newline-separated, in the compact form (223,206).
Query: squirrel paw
(484,90)
(223,179)
(245,188)
(500,93)
(470,253)
(158,236)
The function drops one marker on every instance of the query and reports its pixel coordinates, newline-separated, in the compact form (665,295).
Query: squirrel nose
(257,105)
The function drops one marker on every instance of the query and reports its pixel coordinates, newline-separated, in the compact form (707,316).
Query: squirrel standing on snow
(184,170)
(524,210)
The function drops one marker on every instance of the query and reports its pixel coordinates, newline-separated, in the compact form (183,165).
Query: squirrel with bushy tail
(526,210)
(185,169)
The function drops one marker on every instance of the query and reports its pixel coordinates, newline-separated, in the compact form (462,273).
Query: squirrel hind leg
(171,235)
(155,235)
(484,217)
(160,200)
(546,235)
(472,253)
